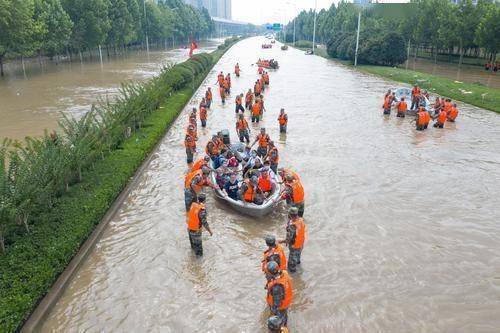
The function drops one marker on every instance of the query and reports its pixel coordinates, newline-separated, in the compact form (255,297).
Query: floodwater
(466,73)
(403,232)
(31,104)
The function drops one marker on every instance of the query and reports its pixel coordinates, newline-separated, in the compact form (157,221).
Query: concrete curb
(36,319)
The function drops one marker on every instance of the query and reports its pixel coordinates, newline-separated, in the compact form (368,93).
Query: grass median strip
(33,260)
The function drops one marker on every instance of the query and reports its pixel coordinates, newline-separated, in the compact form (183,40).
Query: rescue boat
(268,64)
(246,208)
(406,93)
(284,47)
(267,46)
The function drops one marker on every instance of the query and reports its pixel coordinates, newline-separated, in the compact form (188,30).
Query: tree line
(433,26)
(50,27)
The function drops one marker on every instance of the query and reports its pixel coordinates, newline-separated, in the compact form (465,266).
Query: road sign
(277,27)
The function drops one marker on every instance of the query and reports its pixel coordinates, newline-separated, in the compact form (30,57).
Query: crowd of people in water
(490,66)
(249,176)
(441,111)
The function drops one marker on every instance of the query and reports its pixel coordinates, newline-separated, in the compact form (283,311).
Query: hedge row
(34,259)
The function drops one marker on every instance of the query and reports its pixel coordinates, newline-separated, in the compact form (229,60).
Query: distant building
(216,8)
(362,2)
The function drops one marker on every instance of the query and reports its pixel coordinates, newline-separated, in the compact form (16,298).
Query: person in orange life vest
(262,83)
(249,191)
(263,140)
(191,130)
(295,237)
(200,163)
(227,87)
(283,121)
(274,252)
(402,106)
(293,194)
(203,103)
(287,172)
(190,145)
(196,220)
(266,78)
(239,104)
(203,116)
(438,104)
(208,97)
(256,110)
(447,105)
(261,104)
(260,70)
(440,119)
(415,97)
(222,93)
(453,113)
(257,88)
(273,157)
(220,79)
(242,129)
(275,325)
(265,183)
(387,105)
(422,120)
(212,148)
(279,292)
(249,99)
(194,183)
(387,94)
(237,70)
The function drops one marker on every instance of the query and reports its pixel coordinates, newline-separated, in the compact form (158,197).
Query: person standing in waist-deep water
(238,102)
(196,220)
(279,292)
(283,121)
(295,237)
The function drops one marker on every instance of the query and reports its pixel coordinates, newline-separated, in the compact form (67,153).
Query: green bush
(55,190)
(303,44)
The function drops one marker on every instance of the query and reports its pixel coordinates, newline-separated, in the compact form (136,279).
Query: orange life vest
(241,124)
(297,191)
(257,88)
(208,95)
(266,78)
(203,113)
(212,148)
(291,173)
(193,220)
(261,70)
(387,102)
(423,118)
(256,109)
(286,282)
(415,91)
(272,159)
(453,114)
(447,106)
(269,254)
(237,70)
(199,164)
(249,194)
(189,179)
(263,140)
(249,98)
(283,119)
(442,117)
(220,78)
(238,100)
(189,141)
(265,184)
(402,107)
(300,233)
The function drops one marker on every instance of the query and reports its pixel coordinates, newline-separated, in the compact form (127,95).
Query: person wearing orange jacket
(273,157)
(238,102)
(222,93)
(402,106)
(237,70)
(263,139)
(274,252)
(293,194)
(249,99)
(387,105)
(242,129)
(440,119)
(196,220)
(190,145)
(453,113)
(194,183)
(256,110)
(200,163)
(422,120)
(203,116)
(208,97)
(266,78)
(257,88)
(415,97)
(283,121)
(279,292)
(295,238)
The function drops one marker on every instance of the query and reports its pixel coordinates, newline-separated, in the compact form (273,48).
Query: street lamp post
(295,19)
(314,30)
(146,23)
(357,40)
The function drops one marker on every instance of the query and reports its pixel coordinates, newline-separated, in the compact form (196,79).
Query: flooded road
(403,232)
(30,105)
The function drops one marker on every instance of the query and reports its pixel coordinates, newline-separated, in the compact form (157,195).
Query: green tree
(122,30)
(488,31)
(55,26)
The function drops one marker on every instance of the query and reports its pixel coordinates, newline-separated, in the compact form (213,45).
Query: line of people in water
(440,112)
(249,176)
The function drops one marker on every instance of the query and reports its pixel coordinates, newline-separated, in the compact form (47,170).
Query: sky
(270,11)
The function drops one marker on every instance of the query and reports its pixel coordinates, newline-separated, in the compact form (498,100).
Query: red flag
(192,48)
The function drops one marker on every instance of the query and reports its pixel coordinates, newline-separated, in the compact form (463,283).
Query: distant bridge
(225,27)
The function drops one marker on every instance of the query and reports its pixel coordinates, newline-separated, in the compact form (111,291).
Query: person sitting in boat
(232,187)
(266,184)
(250,192)
(249,163)
(232,161)
(255,168)
(212,149)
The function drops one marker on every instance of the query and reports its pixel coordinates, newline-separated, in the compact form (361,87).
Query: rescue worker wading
(295,237)
(190,144)
(242,129)
(194,183)
(283,121)
(423,119)
(196,220)
(274,253)
(263,139)
(402,106)
(294,194)
(279,292)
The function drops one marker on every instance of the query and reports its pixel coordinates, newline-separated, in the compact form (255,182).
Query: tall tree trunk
(1,64)
(435,54)
(461,56)
(40,57)
(68,54)
(2,244)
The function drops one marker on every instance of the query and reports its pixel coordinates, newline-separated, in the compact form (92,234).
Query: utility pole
(295,19)
(314,30)
(146,26)
(408,55)
(357,40)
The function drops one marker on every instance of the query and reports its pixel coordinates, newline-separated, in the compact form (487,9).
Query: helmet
(205,170)
(206,158)
(293,211)
(272,267)
(254,180)
(270,240)
(202,197)
(274,323)
(289,178)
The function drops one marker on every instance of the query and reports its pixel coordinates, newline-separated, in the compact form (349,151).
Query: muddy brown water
(31,104)
(466,73)
(403,232)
